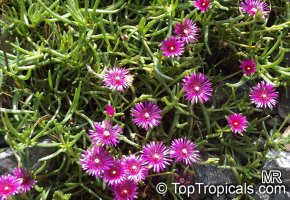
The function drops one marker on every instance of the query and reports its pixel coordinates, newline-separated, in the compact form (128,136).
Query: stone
(8,160)
(278,160)
(211,174)
(224,92)
(286,134)
(259,196)
(284,104)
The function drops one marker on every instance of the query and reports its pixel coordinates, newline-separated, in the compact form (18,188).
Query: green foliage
(53,53)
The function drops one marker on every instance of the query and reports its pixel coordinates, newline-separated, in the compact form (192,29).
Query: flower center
(124,192)
(147,115)
(264,96)
(134,167)
(106,133)
(156,157)
(196,88)
(118,78)
(248,68)
(21,180)
(184,151)
(181,180)
(172,48)
(254,10)
(203,4)
(97,161)
(185,31)
(236,123)
(114,172)
(6,188)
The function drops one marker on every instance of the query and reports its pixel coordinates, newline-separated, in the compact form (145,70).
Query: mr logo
(272,176)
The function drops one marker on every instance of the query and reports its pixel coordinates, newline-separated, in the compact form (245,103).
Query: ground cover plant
(133,93)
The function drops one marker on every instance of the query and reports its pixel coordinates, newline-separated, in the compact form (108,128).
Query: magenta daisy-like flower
(184,150)
(96,160)
(105,133)
(115,174)
(238,122)
(117,78)
(134,168)
(187,31)
(197,88)
(202,5)
(126,190)
(156,155)
(146,114)
(9,186)
(264,95)
(24,178)
(110,110)
(248,66)
(172,47)
(252,7)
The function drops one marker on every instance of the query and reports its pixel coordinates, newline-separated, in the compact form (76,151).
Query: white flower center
(147,115)
(203,4)
(248,68)
(184,151)
(114,172)
(20,180)
(235,123)
(254,10)
(134,167)
(118,78)
(125,191)
(181,180)
(196,88)
(156,156)
(264,95)
(171,48)
(97,161)
(106,133)
(6,187)
(185,31)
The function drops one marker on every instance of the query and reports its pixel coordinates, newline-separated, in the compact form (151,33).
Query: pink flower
(252,7)
(186,31)
(9,186)
(134,168)
(126,190)
(24,178)
(146,114)
(115,174)
(172,47)
(238,122)
(184,150)
(105,133)
(202,5)
(197,87)
(248,66)
(264,95)
(117,79)
(110,110)
(156,155)
(95,160)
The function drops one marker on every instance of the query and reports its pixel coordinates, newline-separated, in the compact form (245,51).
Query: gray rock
(282,196)
(8,160)
(223,92)
(284,104)
(212,175)
(279,161)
